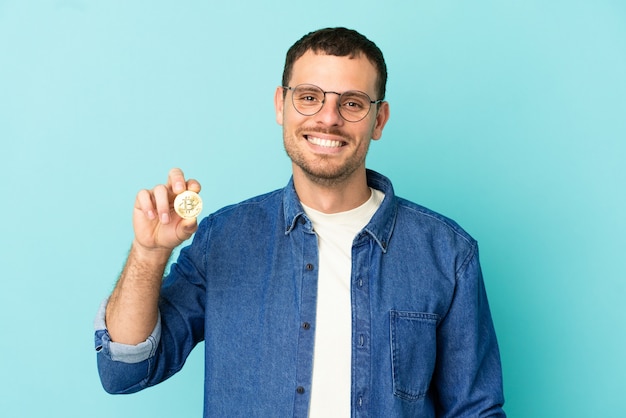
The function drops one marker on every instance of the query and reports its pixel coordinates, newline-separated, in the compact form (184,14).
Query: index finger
(177,184)
(176,181)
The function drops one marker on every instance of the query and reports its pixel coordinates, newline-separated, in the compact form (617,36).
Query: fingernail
(165,218)
(151,215)
(180,186)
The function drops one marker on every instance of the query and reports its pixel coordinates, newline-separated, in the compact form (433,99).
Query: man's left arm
(468,375)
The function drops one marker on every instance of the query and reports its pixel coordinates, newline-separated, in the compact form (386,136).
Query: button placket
(307,277)
(361,326)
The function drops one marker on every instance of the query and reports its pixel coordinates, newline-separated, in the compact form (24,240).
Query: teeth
(324,142)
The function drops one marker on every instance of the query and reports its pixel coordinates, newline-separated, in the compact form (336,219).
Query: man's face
(325,147)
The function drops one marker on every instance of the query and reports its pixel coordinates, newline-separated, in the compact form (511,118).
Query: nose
(329,113)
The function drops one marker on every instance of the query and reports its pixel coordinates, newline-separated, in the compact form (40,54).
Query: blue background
(508,116)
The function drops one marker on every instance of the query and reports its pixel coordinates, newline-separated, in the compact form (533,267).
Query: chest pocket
(413,351)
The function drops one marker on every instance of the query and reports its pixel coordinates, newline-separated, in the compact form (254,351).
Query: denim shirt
(423,341)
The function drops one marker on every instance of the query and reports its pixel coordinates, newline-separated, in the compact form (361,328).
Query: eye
(308,96)
(353,102)
(353,105)
(307,101)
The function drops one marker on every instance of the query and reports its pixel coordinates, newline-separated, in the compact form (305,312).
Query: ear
(382,116)
(279,103)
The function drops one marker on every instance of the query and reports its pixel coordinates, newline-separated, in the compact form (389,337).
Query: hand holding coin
(166,215)
(188,204)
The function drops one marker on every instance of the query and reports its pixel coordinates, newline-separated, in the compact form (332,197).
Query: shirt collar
(380,227)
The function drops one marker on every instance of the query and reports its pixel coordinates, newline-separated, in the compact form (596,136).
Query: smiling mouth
(326,143)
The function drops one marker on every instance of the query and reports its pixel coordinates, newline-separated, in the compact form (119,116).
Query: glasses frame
(292,89)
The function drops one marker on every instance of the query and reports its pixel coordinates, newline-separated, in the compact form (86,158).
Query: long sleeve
(468,376)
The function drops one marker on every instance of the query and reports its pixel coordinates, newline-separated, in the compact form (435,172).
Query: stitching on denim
(447,222)
(394,315)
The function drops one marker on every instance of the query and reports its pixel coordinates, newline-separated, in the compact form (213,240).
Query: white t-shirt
(330,392)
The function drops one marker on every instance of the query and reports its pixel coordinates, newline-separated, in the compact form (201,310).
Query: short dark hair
(340,42)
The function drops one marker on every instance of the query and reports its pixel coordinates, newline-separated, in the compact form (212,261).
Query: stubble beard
(321,169)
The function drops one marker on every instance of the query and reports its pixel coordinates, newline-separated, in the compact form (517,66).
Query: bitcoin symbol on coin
(188,204)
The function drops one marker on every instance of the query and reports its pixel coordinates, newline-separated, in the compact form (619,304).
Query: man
(330,297)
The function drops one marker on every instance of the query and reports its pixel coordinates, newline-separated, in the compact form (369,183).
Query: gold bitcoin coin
(188,204)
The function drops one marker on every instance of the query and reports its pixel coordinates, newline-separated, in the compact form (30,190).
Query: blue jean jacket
(423,341)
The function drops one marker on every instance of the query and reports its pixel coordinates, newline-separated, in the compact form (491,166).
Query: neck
(329,196)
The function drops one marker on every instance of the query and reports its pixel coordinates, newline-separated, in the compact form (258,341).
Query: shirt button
(309,266)
(306,325)
(300,390)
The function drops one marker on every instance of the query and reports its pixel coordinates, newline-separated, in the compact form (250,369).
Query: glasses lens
(308,99)
(354,105)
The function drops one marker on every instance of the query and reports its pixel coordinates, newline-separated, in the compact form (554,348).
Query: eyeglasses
(353,105)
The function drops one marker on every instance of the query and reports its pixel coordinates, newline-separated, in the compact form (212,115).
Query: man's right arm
(128,325)
(132,310)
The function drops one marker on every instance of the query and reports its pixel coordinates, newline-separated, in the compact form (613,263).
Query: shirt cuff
(124,353)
